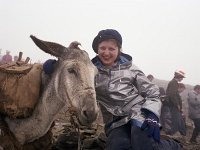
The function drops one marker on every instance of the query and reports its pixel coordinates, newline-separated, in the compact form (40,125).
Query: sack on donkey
(19,88)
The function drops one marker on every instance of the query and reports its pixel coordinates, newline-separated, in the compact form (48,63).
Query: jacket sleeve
(150,92)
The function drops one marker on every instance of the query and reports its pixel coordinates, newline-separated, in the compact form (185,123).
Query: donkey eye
(71,70)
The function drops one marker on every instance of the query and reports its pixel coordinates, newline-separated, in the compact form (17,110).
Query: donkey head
(73,78)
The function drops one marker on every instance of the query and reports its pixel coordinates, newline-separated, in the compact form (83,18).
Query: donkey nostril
(89,115)
(85,113)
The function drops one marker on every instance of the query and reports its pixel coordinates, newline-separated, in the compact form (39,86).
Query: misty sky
(160,35)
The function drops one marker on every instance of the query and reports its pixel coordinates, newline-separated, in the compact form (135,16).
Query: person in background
(181,87)
(16,58)
(0,55)
(7,57)
(175,104)
(164,117)
(161,89)
(150,77)
(194,111)
(129,102)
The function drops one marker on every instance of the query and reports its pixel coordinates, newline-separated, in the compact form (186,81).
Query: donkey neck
(32,128)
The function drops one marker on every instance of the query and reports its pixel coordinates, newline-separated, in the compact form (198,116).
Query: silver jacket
(123,90)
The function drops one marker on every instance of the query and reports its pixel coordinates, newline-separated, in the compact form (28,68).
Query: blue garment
(131,137)
(105,35)
(49,66)
(151,125)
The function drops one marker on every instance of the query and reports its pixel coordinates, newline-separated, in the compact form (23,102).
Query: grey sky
(160,35)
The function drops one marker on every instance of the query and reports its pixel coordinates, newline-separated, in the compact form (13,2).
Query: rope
(79,139)
(76,125)
(74,119)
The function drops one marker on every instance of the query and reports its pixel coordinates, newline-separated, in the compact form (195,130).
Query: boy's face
(108,52)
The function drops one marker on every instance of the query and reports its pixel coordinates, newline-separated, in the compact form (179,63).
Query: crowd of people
(174,110)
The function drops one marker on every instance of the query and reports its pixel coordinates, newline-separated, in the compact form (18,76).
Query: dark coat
(173,94)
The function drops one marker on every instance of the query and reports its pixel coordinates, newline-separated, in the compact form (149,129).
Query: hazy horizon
(161,36)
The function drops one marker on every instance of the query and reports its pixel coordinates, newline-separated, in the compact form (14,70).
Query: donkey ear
(49,47)
(74,45)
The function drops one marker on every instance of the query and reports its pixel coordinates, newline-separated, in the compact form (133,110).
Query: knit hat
(49,66)
(105,35)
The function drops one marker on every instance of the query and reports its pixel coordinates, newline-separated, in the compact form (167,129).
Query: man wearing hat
(129,102)
(175,104)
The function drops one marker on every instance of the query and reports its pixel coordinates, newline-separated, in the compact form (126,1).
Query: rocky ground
(66,136)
